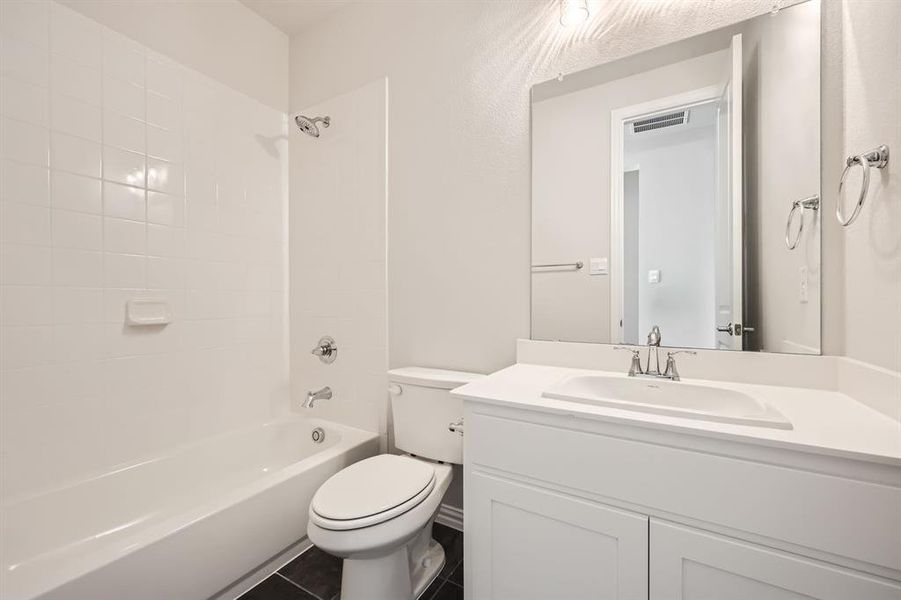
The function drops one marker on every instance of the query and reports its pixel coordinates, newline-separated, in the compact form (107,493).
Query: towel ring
(878,158)
(811,203)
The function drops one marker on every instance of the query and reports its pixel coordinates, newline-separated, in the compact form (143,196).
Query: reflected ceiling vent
(660,121)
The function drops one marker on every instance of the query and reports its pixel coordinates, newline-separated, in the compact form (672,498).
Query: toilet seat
(372,491)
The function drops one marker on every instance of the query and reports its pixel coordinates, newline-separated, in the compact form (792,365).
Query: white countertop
(824,422)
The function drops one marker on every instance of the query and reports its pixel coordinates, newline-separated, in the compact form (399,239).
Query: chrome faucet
(670,372)
(323,394)
(654,342)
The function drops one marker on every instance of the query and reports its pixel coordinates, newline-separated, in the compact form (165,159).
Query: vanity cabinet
(688,564)
(534,544)
(558,506)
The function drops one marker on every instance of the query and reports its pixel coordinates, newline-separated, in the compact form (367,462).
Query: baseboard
(450,516)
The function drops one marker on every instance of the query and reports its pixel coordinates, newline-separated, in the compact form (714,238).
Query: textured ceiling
(294,16)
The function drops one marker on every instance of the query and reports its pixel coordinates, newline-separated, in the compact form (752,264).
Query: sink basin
(663,397)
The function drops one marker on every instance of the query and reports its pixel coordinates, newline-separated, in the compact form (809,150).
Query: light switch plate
(654,276)
(598,266)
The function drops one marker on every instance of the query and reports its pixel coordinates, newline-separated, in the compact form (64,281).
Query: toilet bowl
(377,514)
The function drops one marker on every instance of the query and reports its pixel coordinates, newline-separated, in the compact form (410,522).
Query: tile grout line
(297,585)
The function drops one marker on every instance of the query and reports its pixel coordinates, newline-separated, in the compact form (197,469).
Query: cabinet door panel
(531,543)
(687,564)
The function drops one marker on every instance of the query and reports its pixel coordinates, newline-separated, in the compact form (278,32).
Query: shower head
(309,126)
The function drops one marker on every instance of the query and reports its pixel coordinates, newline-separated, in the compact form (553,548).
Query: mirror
(680,188)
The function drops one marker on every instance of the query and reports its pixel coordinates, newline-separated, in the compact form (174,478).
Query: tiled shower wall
(126,175)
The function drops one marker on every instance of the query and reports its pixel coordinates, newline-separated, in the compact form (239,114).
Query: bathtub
(182,526)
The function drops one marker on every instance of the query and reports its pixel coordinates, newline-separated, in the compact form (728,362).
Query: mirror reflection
(679,188)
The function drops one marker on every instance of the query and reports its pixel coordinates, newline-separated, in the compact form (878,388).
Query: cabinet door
(524,543)
(687,564)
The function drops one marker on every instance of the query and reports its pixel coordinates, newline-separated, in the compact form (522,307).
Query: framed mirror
(679,187)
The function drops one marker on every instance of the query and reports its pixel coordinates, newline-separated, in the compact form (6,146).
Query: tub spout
(323,394)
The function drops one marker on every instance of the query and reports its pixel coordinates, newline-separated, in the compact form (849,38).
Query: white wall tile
(75,117)
(24,101)
(77,305)
(25,347)
(76,192)
(24,223)
(164,144)
(76,155)
(78,268)
(124,98)
(164,209)
(28,20)
(123,166)
(166,241)
(83,234)
(76,80)
(20,182)
(124,132)
(164,112)
(165,177)
(164,77)
(123,59)
(23,60)
(22,264)
(124,271)
(77,230)
(124,237)
(24,142)
(123,201)
(26,305)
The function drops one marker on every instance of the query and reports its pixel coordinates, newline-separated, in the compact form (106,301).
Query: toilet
(377,514)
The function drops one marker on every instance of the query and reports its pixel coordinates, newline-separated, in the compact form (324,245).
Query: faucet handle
(675,352)
(634,351)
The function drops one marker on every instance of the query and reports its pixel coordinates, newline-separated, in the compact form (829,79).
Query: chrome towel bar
(798,206)
(878,158)
(575,265)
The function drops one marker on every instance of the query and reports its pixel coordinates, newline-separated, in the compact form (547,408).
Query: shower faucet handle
(326,349)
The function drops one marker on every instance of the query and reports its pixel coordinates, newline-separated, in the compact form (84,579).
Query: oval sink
(662,397)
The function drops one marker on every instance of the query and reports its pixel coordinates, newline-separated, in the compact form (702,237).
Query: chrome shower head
(309,125)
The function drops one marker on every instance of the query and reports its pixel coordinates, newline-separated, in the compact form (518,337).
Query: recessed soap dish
(144,312)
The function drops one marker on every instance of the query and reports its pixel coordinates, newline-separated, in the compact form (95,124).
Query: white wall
(337,257)
(571,191)
(223,39)
(677,185)
(872,245)
(125,174)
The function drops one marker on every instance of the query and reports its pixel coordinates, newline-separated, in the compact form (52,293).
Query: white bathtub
(182,526)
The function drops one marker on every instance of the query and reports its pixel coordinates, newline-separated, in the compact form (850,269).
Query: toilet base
(402,575)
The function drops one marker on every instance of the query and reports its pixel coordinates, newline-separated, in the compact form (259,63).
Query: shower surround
(126,175)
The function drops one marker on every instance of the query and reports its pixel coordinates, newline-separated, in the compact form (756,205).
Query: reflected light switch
(654,276)
(597,266)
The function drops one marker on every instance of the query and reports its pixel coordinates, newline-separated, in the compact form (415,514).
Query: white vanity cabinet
(534,544)
(559,506)
(688,564)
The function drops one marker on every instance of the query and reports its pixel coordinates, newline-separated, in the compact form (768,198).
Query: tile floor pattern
(315,575)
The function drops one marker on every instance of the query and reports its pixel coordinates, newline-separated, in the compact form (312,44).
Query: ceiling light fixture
(573,12)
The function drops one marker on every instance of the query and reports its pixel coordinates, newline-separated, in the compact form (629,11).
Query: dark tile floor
(315,575)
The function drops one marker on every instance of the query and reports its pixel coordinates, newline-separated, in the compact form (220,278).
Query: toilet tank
(422,409)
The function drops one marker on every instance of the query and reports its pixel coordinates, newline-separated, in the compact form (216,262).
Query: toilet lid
(371,486)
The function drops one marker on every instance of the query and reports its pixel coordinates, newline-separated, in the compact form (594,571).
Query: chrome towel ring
(878,158)
(798,206)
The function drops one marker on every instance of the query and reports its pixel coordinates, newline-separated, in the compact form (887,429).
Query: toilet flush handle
(456,427)
(394,389)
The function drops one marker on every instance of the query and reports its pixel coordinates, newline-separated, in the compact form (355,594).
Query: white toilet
(377,514)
